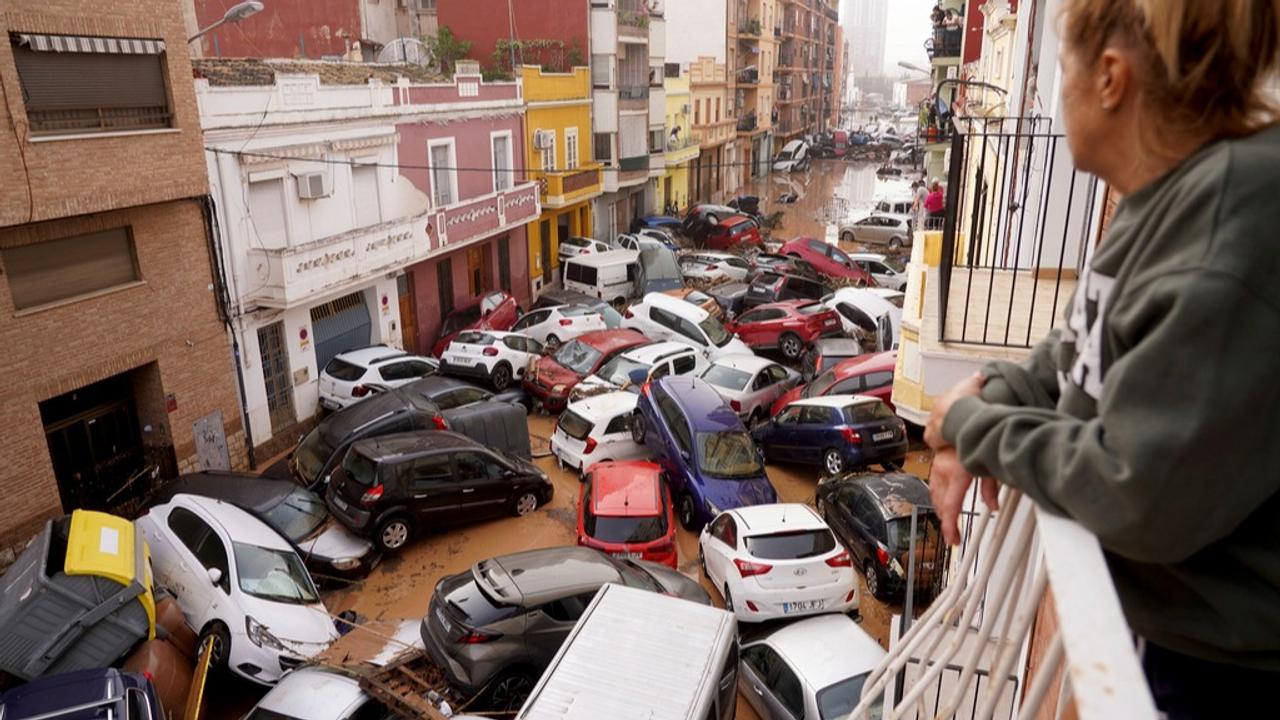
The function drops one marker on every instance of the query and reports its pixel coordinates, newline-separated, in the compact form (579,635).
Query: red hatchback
(555,375)
(625,511)
(790,326)
(828,260)
(870,374)
(495,311)
(733,231)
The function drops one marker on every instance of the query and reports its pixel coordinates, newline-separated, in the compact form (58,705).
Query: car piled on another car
(596,429)
(351,376)
(836,432)
(789,326)
(499,358)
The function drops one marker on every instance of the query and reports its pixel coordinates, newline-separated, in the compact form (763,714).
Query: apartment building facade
(356,30)
(806,87)
(117,363)
(697,42)
(752,51)
(682,150)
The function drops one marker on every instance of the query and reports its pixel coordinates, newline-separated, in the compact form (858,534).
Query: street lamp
(234,14)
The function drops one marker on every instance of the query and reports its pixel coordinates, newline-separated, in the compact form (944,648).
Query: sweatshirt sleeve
(1183,446)
(1032,383)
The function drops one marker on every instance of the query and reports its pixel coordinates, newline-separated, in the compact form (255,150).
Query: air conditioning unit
(543,139)
(314,185)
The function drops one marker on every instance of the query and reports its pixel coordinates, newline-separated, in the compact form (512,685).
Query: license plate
(463,361)
(887,435)
(444,621)
(628,555)
(804,606)
(342,504)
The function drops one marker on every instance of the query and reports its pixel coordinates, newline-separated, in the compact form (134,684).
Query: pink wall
(288,29)
(471,145)
(427,293)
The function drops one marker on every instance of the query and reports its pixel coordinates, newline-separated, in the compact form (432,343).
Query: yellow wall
(679,186)
(579,225)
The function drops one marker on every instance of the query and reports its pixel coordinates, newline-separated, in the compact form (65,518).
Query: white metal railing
(966,654)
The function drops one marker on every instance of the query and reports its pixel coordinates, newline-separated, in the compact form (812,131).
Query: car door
(773,383)
(811,433)
(518,353)
(547,625)
(722,541)
(879,385)
(485,485)
(663,325)
(434,495)
(782,435)
(770,686)
(197,550)
(679,440)
(534,325)
(863,518)
(749,325)
(615,441)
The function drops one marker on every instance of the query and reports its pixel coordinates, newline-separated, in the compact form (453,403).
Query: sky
(909,27)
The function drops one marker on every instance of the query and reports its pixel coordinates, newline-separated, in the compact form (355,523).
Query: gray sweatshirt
(1152,417)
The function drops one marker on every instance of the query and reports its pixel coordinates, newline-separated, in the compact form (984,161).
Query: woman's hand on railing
(970,386)
(949,481)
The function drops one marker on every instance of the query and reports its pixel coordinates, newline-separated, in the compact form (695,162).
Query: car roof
(239,525)
(388,447)
(653,352)
(608,257)
(537,576)
(825,649)
(605,405)
(247,491)
(313,693)
(878,257)
(433,385)
(887,293)
(499,334)
(372,355)
(718,254)
(789,305)
(702,404)
(675,305)
(776,517)
(896,492)
(744,362)
(607,341)
(838,346)
(836,401)
(68,690)
(733,220)
(870,362)
(342,423)
(626,489)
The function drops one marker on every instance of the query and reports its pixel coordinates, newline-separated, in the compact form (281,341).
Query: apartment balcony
(748,124)
(633,21)
(681,151)
(749,75)
(946,43)
(750,28)
(569,187)
(712,134)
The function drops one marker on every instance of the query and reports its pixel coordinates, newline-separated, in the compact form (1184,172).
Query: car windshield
(868,412)
(614,529)
(273,574)
(578,357)
(660,264)
(343,370)
(360,469)
(298,514)
(838,700)
(784,155)
(715,331)
(311,455)
(726,377)
(474,338)
(792,545)
(618,370)
(927,530)
(261,713)
(820,384)
(574,425)
(696,297)
(728,455)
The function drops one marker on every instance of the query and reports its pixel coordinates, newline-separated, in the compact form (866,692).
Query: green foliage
(448,48)
(550,55)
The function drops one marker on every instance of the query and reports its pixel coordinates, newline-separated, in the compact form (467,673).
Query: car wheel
(791,346)
(394,533)
(713,219)
(525,503)
(895,244)
(686,512)
(832,461)
(873,580)
(728,599)
(509,691)
(637,428)
(217,635)
(847,237)
(501,377)
(552,343)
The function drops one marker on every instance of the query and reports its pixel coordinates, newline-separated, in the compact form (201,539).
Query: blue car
(709,458)
(661,222)
(838,432)
(95,693)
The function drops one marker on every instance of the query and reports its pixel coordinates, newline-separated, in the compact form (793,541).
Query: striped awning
(75,43)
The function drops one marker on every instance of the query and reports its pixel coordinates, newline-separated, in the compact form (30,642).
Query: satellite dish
(410,51)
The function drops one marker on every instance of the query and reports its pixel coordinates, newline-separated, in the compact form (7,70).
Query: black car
(91,693)
(392,487)
(700,218)
(301,516)
(730,297)
(871,514)
(771,287)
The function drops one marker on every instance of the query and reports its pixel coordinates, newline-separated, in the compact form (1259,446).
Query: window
(849,386)
(55,270)
(655,140)
(266,212)
(618,425)
(671,70)
(462,396)
(785,686)
(815,415)
(601,71)
(430,471)
(504,263)
(77,85)
(717,110)
(501,161)
(790,416)
(444,178)
(683,364)
(879,379)
(534,318)
(364,193)
(602,147)
(725,530)
(568,609)
(570,148)
(697,112)
(549,151)
(472,465)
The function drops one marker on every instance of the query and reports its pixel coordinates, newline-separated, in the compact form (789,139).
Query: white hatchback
(653,361)
(348,376)
(714,266)
(574,246)
(878,266)
(497,357)
(775,561)
(239,584)
(561,323)
(663,317)
(750,384)
(596,429)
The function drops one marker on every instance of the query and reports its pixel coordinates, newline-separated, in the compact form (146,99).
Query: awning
(75,43)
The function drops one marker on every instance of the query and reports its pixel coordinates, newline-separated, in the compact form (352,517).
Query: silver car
(878,267)
(879,229)
(750,383)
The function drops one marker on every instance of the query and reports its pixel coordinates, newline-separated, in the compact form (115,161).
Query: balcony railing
(568,186)
(946,42)
(747,123)
(1027,584)
(633,92)
(749,76)
(750,27)
(631,164)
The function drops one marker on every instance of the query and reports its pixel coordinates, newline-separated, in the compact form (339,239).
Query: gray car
(496,628)
(879,229)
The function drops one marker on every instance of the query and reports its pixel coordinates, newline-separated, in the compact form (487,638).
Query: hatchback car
(879,228)
(870,374)
(776,561)
(659,271)
(318,693)
(498,625)
(348,376)
(554,376)
(240,583)
(829,260)
(596,429)
(83,695)
(789,326)
(499,358)
(871,514)
(793,156)
(633,368)
(625,511)
(836,432)
(641,241)
(699,219)
(495,311)
(750,383)
(865,312)
(771,287)
(551,325)
(662,223)
(710,266)
(825,354)
(880,268)
(574,246)
(663,317)
(733,232)
(700,442)
(812,669)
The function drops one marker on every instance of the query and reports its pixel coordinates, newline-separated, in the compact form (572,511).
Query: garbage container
(78,597)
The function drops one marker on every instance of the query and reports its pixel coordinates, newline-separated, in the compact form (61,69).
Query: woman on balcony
(1152,417)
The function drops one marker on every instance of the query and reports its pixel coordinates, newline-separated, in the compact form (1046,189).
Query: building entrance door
(544,235)
(276,376)
(408,313)
(95,445)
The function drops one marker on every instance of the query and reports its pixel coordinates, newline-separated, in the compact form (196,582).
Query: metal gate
(340,325)
(275,376)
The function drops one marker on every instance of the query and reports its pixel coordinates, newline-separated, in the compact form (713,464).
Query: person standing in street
(1152,416)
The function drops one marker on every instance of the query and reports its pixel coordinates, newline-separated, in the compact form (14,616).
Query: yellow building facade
(674,186)
(558,157)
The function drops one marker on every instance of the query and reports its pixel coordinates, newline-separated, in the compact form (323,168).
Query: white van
(637,655)
(610,276)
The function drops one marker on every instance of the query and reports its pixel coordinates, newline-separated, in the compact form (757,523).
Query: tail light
(372,495)
(752,606)
(851,436)
(849,597)
(747,569)
(591,445)
(475,637)
(882,555)
(565,322)
(359,391)
(737,406)
(491,352)
(440,422)
(628,314)
(841,560)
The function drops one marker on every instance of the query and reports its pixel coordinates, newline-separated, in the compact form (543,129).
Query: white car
(653,361)
(879,228)
(812,668)
(895,297)
(714,266)
(750,383)
(663,317)
(793,156)
(573,246)
(658,234)
(878,266)
(239,584)
(775,561)
(639,241)
(869,311)
(348,376)
(555,325)
(315,693)
(497,357)
(596,429)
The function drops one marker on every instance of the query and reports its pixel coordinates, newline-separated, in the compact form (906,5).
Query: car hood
(727,494)
(303,629)
(675,584)
(735,347)
(333,541)
(663,285)
(551,373)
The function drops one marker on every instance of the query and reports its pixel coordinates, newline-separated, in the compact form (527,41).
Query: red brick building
(313,29)
(485,22)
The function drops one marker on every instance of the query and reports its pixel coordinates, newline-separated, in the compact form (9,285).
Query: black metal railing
(633,92)
(947,42)
(1018,222)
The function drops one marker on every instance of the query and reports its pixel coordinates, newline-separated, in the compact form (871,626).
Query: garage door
(340,325)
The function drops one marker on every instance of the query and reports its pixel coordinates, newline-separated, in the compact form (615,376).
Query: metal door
(340,325)
(275,376)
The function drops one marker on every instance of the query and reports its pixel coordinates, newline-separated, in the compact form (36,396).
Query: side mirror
(215,576)
(638,376)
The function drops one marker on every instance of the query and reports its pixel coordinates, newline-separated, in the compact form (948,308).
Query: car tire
(791,345)
(552,343)
(501,377)
(524,503)
(638,429)
(393,534)
(216,633)
(687,513)
(509,690)
(895,244)
(846,237)
(872,578)
(832,462)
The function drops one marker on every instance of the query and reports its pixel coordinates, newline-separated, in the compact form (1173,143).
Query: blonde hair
(1206,63)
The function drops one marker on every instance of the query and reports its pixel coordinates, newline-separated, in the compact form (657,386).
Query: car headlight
(559,388)
(346,563)
(259,634)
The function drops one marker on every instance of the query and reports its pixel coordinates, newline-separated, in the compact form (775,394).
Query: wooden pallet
(403,685)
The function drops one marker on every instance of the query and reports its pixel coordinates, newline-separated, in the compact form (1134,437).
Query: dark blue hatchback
(709,457)
(838,432)
(85,695)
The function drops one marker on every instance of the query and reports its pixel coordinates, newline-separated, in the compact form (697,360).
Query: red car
(495,311)
(789,326)
(827,259)
(733,231)
(555,375)
(625,511)
(870,374)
